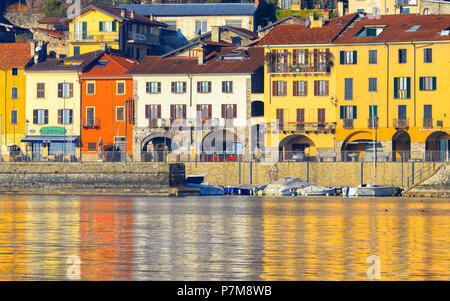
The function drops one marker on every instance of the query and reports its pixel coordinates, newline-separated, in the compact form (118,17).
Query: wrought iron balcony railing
(428,123)
(400,123)
(348,123)
(91,123)
(306,69)
(372,123)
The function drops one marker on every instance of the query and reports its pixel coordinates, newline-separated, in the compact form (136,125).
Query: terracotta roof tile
(49,20)
(70,64)
(116,66)
(14,55)
(52,33)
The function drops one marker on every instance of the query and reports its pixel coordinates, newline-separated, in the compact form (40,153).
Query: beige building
(196,19)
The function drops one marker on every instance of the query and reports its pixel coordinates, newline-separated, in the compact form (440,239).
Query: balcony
(93,37)
(305,127)
(142,38)
(372,123)
(298,69)
(427,123)
(405,2)
(400,124)
(348,124)
(89,123)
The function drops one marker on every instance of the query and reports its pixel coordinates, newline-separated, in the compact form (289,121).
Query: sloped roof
(300,20)
(396,28)
(52,33)
(299,33)
(191,9)
(79,63)
(177,65)
(49,20)
(116,66)
(15,55)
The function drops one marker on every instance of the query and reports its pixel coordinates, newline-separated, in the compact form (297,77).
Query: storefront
(53,148)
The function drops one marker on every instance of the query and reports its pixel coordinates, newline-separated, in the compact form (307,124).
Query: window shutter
(84,30)
(71,90)
(209,87)
(342,112)
(159,87)
(326,88)
(147,87)
(315,57)
(147,111)
(305,88)
(159,111)
(209,111)
(35,116)
(434,83)
(234,110)
(294,88)
(274,88)
(223,86)
(316,87)
(184,87)
(284,88)
(306,56)
(408,87)
(45,116)
(395,87)
(224,108)
(375,111)
(172,111)
(355,56)
(184,111)
(70,116)
(114,26)
(198,87)
(421,83)
(294,56)
(172,87)
(354,112)
(342,57)
(100,26)
(60,87)
(300,115)
(60,116)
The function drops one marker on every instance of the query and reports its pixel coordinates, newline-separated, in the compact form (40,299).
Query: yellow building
(300,88)
(385,7)
(99,27)
(53,107)
(399,63)
(15,57)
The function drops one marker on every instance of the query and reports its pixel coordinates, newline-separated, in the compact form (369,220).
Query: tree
(53,9)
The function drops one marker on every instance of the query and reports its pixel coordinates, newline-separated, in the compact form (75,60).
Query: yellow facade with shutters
(12,109)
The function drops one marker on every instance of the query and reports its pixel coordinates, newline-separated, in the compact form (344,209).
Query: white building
(215,88)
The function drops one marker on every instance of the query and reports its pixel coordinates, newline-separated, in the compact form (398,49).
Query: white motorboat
(313,190)
(371,190)
(205,188)
(285,187)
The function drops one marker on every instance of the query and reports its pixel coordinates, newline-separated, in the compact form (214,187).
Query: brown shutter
(45,116)
(300,115)
(209,87)
(284,88)
(184,87)
(184,111)
(198,87)
(147,111)
(305,88)
(172,87)
(159,111)
(172,111)
(60,116)
(60,94)
(294,89)
(326,87)
(159,87)
(224,109)
(209,111)
(231,86)
(147,87)
(35,116)
(316,88)
(315,58)
(234,110)
(294,56)
(306,57)
(274,88)
(223,86)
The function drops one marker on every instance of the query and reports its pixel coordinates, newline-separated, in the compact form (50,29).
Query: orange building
(107,109)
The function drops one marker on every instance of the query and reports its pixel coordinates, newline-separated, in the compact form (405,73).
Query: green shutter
(395,87)
(370,112)
(434,83)
(421,83)
(408,87)
(114,26)
(342,109)
(100,26)
(355,56)
(354,112)
(84,30)
(342,54)
(375,113)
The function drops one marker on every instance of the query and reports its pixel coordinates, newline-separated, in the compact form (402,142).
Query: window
(348,57)
(80,30)
(300,118)
(372,84)
(90,116)
(107,26)
(178,111)
(348,112)
(178,87)
(402,87)
(13,116)
(348,89)
(171,25)
(427,111)
(227,87)
(40,90)
(91,88)
(404,10)
(153,113)
(120,113)
(280,118)
(138,53)
(372,57)
(234,23)
(120,88)
(427,83)
(14,92)
(300,88)
(371,32)
(279,88)
(321,88)
(281,60)
(414,27)
(203,87)
(229,111)
(374,110)
(65,90)
(300,57)
(402,56)
(14,71)
(201,27)
(40,116)
(153,87)
(321,115)
(204,112)
(76,50)
(92,147)
(401,113)
(149,51)
(65,116)
(428,55)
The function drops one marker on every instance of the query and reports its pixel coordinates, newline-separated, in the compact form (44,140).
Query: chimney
(215,33)
(201,56)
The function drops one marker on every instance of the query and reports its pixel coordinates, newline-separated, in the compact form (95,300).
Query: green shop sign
(53,130)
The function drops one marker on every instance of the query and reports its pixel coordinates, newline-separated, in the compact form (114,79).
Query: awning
(50,139)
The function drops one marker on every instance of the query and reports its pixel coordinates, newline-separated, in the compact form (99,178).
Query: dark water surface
(223,238)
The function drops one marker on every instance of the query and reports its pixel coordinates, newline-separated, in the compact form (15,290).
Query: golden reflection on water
(223,238)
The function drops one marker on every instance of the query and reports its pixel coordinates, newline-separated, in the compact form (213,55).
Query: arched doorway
(401,146)
(221,145)
(156,147)
(426,11)
(437,147)
(297,148)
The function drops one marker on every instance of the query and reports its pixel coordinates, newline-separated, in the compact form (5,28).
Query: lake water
(223,238)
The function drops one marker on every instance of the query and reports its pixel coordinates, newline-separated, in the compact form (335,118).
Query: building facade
(107,110)
(393,7)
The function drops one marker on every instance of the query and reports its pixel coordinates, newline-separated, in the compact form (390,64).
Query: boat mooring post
(307,171)
(361,169)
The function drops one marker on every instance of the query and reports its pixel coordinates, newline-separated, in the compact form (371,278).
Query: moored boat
(313,190)
(205,188)
(371,190)
(288,186)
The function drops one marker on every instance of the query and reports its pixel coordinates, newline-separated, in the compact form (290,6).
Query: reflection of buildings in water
(106,238)
(12,239)
(52,235)
(198,240)
(314,240)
